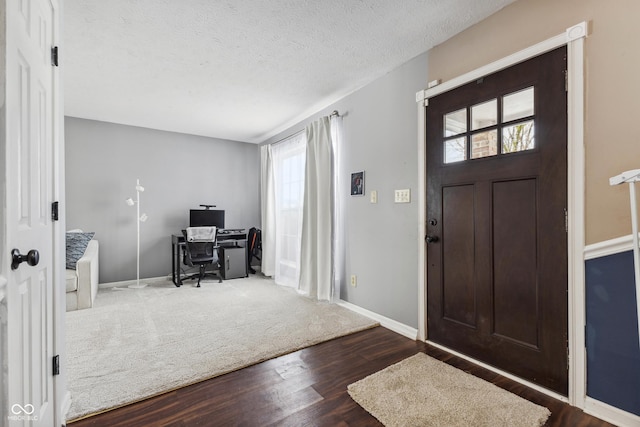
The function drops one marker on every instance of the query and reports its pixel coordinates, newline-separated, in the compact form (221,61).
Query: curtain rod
(287,137)
(333,113)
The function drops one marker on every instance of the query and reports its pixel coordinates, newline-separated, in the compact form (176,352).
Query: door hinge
(566,81)
(566,220)
(54,56)
(54,211)
(568,359)
(56,364)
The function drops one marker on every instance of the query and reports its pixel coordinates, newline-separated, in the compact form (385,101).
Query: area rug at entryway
(137,343)
(422,391)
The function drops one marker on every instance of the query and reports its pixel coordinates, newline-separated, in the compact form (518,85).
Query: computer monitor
(206,218)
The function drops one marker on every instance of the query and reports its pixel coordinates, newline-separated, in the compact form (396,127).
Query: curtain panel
(316,258)
(267,212)
(338,244)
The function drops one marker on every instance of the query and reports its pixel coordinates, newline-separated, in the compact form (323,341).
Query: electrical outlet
(374,196)
(354,280)
(403,196)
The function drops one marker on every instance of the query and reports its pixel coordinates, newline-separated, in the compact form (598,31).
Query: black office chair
(254,242)
(201,250)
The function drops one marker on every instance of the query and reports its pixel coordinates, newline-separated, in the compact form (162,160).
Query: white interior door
(29,194)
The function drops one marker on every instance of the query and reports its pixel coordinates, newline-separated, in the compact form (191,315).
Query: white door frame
(573,38)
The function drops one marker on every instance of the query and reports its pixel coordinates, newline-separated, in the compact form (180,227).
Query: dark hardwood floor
(307,388)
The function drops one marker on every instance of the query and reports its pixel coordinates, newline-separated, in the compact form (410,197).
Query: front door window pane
(484,115)
(455,123)
(517,105)
(484,144)
(518,137)
(455,150)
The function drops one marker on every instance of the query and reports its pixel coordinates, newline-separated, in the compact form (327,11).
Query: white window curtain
(267,212)
(283,166)
(316,260)
(338,244)
(302,222)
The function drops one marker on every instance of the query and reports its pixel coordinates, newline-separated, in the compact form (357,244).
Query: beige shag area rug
(422,391)
(137,343)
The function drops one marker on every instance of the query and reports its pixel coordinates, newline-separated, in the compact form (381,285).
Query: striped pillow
(76,245)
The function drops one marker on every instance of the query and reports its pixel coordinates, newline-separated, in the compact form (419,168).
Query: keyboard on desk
(232,234)
(232,231)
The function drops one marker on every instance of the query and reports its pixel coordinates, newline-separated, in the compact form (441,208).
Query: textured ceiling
(241,70)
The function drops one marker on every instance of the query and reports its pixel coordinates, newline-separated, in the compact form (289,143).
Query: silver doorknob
(32,258)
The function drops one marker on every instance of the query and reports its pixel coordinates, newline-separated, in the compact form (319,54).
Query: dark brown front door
(497,197)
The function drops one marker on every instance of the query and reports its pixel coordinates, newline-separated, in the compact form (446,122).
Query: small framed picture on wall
(357,183)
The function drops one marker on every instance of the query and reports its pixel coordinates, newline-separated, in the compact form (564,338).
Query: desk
(225,239)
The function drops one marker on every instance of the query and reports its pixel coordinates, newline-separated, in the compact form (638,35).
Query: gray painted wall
(178,171)
(380,137)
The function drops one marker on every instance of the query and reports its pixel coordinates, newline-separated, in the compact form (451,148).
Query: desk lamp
(139,218)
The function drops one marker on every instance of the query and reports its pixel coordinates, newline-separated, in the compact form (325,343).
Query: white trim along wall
(609,247)
(393,325)
(573,38)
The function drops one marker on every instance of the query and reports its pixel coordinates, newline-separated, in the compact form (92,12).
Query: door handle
(32,258)
(431,239)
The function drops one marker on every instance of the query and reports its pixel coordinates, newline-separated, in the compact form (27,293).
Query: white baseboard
(393,325)
(610,413)
(126,283)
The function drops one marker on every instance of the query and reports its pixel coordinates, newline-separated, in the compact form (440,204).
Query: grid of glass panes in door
(497,126)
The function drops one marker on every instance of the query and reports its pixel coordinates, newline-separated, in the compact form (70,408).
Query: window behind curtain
(288,167)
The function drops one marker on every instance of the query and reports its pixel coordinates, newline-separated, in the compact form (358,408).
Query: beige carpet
(137,343)
(422,391)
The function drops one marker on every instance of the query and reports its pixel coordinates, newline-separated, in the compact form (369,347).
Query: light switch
(403,196)
(374,196)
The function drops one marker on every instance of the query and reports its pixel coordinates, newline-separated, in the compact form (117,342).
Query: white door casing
(29,191)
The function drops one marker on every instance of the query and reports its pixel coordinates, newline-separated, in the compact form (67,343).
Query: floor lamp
(139,219)
(631,177)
